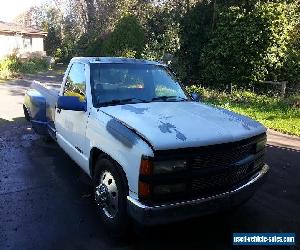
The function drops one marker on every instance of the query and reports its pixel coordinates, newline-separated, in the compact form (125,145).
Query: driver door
(71,125)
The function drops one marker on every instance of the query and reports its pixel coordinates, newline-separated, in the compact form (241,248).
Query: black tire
(120,222)
(48,139)
(26,114)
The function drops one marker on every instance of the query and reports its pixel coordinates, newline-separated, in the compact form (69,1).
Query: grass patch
(275,113)
(59,69)
(12,66)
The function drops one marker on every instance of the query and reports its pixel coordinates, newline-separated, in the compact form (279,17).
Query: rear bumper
(171,212)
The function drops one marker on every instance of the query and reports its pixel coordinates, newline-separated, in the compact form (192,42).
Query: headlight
(161,167)
(149,167)
(260,145)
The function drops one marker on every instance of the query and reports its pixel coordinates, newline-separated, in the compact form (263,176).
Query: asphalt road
(46,202)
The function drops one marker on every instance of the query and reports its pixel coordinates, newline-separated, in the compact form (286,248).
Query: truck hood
(169,125)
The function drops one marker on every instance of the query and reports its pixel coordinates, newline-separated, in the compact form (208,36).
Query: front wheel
(110,191)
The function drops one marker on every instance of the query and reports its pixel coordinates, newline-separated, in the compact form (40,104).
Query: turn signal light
(144,190)
(146,167)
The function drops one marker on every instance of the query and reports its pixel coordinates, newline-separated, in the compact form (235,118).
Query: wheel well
(95,153)
(26,113)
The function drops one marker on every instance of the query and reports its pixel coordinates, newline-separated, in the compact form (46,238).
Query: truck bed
(40,102)
(52,88)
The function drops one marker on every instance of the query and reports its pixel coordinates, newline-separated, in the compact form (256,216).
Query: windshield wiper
(169,98)
(121,101)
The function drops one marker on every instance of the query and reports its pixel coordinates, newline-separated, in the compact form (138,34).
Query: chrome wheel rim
(106,194)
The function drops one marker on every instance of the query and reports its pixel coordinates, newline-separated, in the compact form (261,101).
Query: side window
(75,83)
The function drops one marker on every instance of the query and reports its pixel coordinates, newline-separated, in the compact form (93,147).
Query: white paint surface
(20,44)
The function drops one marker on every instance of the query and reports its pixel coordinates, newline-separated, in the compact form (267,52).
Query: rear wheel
(26,113)
(110,192)
(48,139)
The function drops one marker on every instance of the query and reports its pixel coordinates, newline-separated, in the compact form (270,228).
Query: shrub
(12,65)
(94,48)
(34,64)
(9,67)
(293,101)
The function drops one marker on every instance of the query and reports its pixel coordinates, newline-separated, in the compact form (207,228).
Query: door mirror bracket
(195,97)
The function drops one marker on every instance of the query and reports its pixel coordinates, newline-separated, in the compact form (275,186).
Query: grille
(222,157)
(217,168)
(223,180)
(214,169)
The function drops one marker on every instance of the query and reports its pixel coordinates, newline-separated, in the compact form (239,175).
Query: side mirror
(195,97)
(71,103)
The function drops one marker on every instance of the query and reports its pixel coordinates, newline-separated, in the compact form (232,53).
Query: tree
(127,37)
(47,18)
(161,35)
(248,46)
(195,30)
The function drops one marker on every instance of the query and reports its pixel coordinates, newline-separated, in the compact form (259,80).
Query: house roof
(13,28)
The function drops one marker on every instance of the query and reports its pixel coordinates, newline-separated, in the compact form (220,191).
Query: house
(23,41)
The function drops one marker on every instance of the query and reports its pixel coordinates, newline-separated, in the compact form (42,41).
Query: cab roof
(114,60)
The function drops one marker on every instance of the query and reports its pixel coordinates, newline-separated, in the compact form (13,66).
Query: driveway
(45,200)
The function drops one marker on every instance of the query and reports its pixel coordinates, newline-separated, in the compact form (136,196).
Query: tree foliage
(196,27)
(212,42)
(162,35)
(249,46)
(128,36)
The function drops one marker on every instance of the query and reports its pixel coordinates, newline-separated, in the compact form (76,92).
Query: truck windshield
(114,84)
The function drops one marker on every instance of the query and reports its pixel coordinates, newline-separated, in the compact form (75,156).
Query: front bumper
(171,212)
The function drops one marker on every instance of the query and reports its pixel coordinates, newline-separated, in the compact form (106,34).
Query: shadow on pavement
(15,121)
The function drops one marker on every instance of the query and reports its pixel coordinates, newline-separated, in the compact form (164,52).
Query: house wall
(37,44)
(7,44)
(20,44)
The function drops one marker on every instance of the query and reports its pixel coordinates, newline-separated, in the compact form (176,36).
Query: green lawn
(273,112)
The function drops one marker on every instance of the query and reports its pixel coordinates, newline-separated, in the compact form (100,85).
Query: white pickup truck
(155,153)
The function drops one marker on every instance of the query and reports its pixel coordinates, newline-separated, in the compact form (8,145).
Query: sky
(9,9)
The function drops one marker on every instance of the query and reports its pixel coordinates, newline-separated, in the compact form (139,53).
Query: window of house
(27,42)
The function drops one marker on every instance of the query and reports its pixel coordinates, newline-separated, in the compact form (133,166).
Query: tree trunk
(188,5)
(214,14)
(89,14)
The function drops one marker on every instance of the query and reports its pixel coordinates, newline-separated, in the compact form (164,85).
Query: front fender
(120,143)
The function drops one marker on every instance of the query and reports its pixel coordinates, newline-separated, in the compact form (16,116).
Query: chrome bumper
(171,212)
